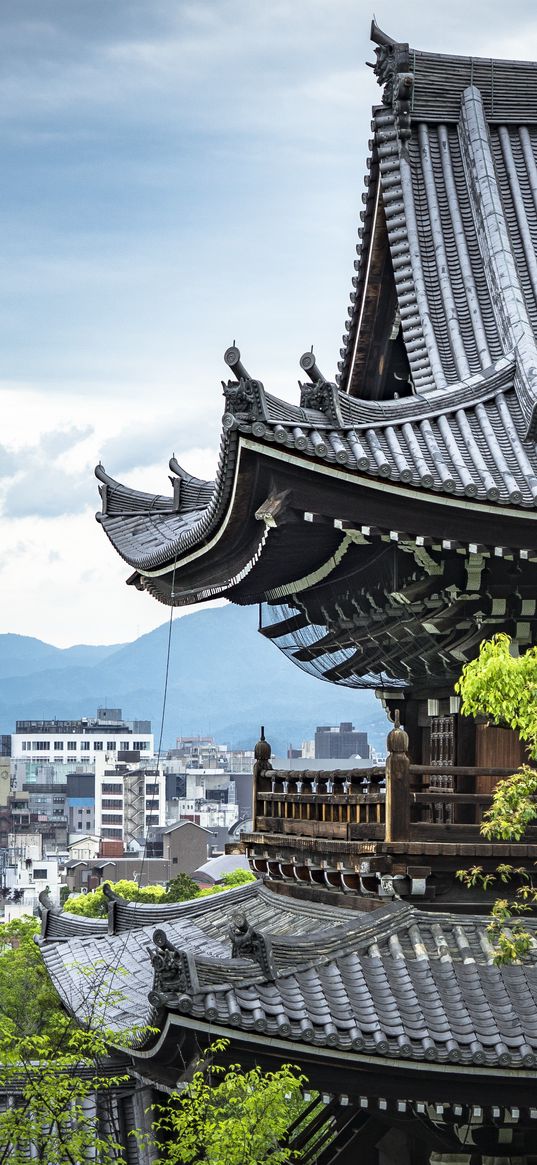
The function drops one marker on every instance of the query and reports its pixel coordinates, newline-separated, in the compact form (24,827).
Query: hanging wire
(147,824)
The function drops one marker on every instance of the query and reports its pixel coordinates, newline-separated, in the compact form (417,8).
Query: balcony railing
(400,803)
(342,803)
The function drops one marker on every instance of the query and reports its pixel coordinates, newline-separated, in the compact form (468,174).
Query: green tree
(231,1117)
(60,1089)
(29,1005)
(53,1070)
(229,882)
(181,889)
(502,686)
(95,904)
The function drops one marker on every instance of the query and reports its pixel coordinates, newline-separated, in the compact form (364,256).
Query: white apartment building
(127,800)
(71,741)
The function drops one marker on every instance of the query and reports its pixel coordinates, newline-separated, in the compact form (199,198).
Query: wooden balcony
(356,829)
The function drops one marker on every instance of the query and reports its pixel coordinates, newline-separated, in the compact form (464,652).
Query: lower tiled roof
(398,982)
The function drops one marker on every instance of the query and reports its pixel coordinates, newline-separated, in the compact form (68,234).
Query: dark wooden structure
(385,524)
(399,832)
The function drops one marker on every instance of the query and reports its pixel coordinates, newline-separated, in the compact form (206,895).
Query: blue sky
(175,176)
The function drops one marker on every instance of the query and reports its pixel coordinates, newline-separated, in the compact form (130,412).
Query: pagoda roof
(426,435)
(451,195)
(397,984)
(450,220)
(465,443)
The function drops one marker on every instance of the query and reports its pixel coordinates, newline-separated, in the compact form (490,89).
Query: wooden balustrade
(403,802)
(341,803)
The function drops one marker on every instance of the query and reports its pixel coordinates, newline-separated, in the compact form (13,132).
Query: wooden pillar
(397,785)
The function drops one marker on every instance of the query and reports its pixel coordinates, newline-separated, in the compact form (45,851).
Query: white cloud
(176,175)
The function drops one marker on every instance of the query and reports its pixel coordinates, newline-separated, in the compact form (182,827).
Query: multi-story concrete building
(340,742)
(82,740)
(128,799)
(86,776)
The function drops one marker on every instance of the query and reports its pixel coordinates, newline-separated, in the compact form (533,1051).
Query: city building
(81,740)
(128,799)
(340,743)
(175,849)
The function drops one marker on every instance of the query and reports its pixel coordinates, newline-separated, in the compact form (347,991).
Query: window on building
(151,789)
(40,874)
(111,818)
(141,745)
(98,745)
(151,804)
(108,832)
(71,745)
(112,788)
(111,744)
(40,745)
(110,803)
(85,745)
(125,746)
(58,745)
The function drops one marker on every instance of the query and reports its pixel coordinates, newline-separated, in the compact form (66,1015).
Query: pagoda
(385,524)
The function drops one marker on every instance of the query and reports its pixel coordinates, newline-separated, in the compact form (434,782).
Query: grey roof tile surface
(360,983)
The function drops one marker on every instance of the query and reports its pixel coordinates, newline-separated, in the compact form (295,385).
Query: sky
(176,175)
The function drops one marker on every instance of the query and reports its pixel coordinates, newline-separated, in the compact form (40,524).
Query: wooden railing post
(397,784)
(262,754)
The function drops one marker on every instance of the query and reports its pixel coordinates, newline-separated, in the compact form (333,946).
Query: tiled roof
(126,916)
(452,197)
(397,983)
(453,175)
(466,442)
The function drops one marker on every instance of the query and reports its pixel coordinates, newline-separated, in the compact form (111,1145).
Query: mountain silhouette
(225,680)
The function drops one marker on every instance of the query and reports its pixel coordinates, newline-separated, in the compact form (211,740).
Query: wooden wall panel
(498,747)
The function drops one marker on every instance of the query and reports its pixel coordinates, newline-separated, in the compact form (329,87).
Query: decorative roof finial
(393,70)
(309,365)
(232,358)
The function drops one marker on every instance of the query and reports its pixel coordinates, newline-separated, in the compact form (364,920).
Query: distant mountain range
(225,680)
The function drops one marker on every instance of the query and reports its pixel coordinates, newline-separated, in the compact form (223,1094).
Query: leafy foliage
(513,807)
(231,1117)
(502,687)
(95,905)
(29,1005)
(51,1067)
(180,889)
(55,1082)
(506,929)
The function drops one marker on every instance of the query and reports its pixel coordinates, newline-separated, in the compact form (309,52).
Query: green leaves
(502,687)
(28,1001)
(180,889)
(514,806)
(231,1117)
